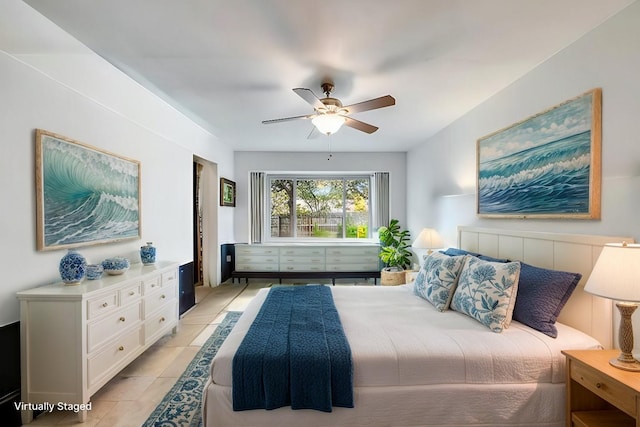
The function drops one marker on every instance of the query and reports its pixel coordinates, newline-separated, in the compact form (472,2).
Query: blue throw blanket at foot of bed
(294,354)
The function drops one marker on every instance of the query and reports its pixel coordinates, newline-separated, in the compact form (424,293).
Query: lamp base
(626,365)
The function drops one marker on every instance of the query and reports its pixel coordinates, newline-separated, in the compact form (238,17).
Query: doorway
(205,223)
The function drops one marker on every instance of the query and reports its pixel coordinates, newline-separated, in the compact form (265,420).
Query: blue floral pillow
(437,279)
(487,292)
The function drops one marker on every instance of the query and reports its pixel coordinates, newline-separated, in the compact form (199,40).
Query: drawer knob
(121,348)
(162,296)
(162,319)
(131,293)
(598,385)
(122,319)
(105,304)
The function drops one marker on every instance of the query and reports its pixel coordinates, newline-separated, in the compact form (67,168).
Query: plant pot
(392,278)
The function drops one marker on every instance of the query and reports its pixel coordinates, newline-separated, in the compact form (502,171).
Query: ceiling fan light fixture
(328,123)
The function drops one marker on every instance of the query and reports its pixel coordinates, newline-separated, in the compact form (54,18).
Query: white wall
(247,162)
(443,194)
(82,97)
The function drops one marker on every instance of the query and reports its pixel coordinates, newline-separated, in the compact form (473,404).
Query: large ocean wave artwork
(543,166)
(86,196)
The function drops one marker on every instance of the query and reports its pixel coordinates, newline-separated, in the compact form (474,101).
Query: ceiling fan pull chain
(330,155)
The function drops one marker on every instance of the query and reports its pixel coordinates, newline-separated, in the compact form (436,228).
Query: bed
(414,365)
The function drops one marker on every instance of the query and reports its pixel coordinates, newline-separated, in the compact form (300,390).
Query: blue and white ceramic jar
(94,271)
(148,254)
(72,267)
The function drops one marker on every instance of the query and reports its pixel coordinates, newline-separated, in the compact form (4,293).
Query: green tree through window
(320,207)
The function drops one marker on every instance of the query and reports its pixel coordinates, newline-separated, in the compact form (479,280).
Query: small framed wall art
(84,195)
(227,192)
(546,166)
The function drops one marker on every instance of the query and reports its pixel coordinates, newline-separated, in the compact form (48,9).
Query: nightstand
(599,394)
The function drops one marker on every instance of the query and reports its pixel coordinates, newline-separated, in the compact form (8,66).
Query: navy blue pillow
(457,252)
(542,293)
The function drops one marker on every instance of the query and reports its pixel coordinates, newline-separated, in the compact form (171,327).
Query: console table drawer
(350,251)
(256,267)
(354,259)
(352,267)
(303,267)
(256,250)
(257,259)
(299,251)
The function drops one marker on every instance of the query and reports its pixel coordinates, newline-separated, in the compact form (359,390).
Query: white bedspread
(398,338)
(411,363)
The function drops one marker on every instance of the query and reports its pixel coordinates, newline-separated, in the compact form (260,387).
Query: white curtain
(257,206)
(381,204)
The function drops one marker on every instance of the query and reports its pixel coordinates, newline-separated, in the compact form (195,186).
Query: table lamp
(616,276)
(428,239)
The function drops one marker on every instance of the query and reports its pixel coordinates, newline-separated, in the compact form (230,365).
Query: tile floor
(129,398)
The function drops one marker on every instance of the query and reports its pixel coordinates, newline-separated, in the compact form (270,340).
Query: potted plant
(394,253)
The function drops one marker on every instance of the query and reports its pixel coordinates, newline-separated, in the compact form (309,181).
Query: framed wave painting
(84,195)
(546,166)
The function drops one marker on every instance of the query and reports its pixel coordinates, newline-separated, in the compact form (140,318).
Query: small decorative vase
(94,271)
(115,265)
(72,268)
(148,254)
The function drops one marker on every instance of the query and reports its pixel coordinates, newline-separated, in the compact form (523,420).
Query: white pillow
(437,279)
(487,292)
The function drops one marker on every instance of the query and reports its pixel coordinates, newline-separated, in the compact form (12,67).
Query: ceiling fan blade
(372,104)
(361,126)
(314,133)
(310,97)
(286,119)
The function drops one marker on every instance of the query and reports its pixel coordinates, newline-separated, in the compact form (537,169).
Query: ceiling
(228,65)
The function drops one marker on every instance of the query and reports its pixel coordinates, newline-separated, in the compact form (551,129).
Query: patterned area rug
(181,407)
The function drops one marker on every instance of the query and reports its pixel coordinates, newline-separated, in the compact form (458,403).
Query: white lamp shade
(328,123)
(428,239)
(616,274)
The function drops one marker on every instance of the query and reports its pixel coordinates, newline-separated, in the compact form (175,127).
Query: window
(319,207)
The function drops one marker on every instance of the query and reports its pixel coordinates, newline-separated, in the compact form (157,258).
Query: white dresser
(74,339)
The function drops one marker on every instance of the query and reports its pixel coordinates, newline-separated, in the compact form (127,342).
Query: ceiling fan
(329,113)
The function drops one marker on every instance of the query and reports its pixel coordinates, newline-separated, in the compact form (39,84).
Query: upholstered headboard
(568,252)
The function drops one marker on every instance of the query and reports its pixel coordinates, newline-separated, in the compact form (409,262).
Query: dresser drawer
(160,320)
(104,329)
(605,387)
(130,293)
(169,277)
(158,299)
(103,304)
(115,352)
(151,284)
